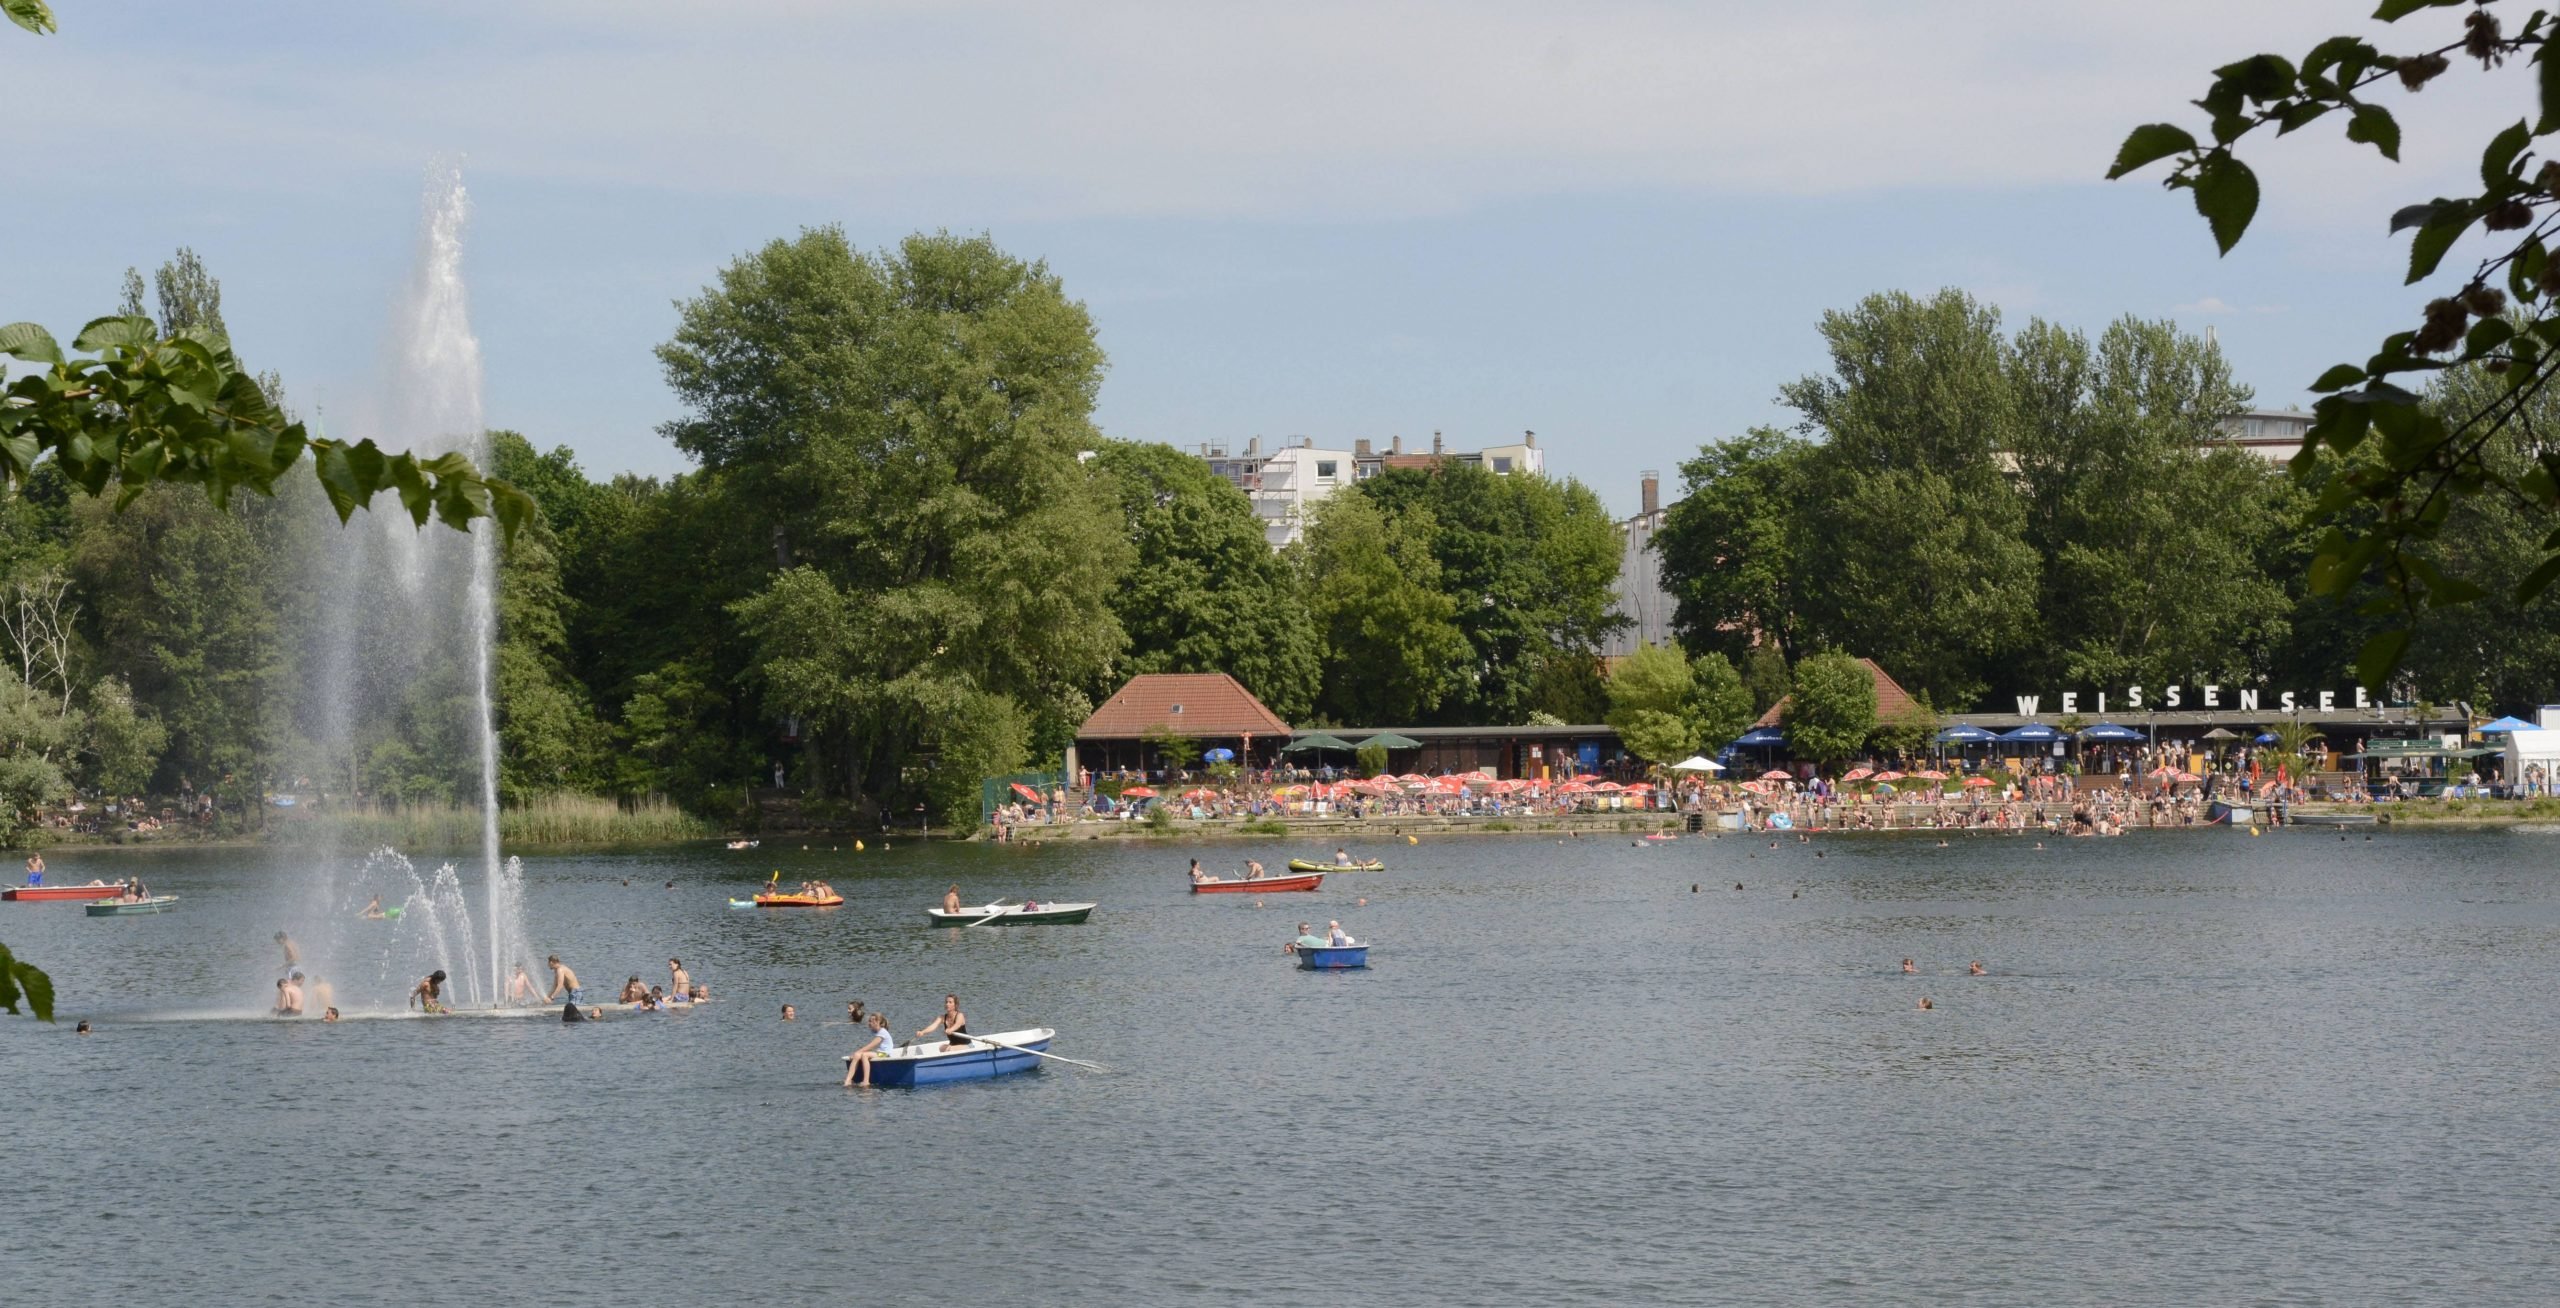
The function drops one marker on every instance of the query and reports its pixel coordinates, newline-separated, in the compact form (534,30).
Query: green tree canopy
(1204,592)
(1833,708)
(1393,649)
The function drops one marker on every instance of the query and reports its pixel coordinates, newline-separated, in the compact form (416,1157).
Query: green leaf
(2300,114)
(2486,335)
(23,982)
(2148,143)
(2373,125)
(2227,196)
(2498,162)
(2539,580)
(2416,215)
(2381,657)
(35,17)
(2259,77)
(2350,54)
(2445,592)
(338,479)
(25,340)
(2524,272)
(2547,73)
(2428,247)
(2338,378)
(513,507)
(108,333)
(2392,11)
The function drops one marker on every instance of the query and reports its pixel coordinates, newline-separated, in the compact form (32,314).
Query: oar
(1025,1049)
(998,906)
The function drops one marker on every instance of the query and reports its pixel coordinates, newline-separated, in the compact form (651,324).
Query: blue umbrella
(1762,736)
(2266,738)
(1964,734)
(1220,755)
(2032,731)
(2110,731)
(2503,725)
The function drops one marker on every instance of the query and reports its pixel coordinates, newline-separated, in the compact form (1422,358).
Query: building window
(1177,708)
(1501,465)
(1324,469)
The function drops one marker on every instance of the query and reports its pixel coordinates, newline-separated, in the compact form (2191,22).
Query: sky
(1615,224)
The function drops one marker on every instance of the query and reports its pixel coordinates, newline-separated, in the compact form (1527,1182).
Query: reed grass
(551,819)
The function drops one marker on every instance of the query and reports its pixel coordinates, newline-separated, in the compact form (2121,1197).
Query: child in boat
(857,1068)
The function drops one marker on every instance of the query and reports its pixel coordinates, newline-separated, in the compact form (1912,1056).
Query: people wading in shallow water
(429,994)
(565,982)
(520,987)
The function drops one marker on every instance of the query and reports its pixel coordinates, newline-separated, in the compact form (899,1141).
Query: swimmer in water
(1977,969)
(329,1016)
(1925,1004)
(790,1014)
(373,909)
(1910,968)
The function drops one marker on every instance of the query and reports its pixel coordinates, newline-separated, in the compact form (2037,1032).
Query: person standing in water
(953,1024)
(519,987)
(292,956)
(677,982)
(429,994)
(564,982)
(289,996)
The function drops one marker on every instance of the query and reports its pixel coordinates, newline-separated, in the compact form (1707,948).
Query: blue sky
(1614,223)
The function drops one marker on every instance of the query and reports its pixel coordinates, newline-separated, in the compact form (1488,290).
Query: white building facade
(1284,482)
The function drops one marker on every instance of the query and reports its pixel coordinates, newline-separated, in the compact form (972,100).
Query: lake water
(2207,1068)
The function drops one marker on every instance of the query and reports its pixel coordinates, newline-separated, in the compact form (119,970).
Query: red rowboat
(1258,885)
(61,892)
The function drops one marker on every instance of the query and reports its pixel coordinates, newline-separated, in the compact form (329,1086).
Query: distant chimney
(1435,442)
(1395,445)
(1360,447)
(1253,448)
(1652,490)
(1530,439)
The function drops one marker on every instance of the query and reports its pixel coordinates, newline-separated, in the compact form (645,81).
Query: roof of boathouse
(1195,704)
(1892,700)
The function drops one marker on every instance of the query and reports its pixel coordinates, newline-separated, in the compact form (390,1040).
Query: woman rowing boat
(953,1024)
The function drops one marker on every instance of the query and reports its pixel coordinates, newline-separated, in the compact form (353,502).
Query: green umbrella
(1390,740)
(1315,740)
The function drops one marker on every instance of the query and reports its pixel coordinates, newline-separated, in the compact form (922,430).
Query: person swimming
(1977,969)
(373,909)
(1910,968)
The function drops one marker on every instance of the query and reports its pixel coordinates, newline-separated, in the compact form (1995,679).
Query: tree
(2381,515)
(1719,703)
(2148,527)
(1652,695)
(1528,565)
(1764,673)
(548,734)
(904,428)
(1919,523)
(1393,648)
(124,740)
(1206,593)
(1908,730)
(1833,709)
(1372,760)
(1728,545)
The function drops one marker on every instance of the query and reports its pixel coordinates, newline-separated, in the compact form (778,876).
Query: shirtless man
(677,982)
(1252,870)
(292,956)
(289,996)
(429,994)
(951,897)
(564,981)
(1977,969)
(953,1024)
(519,987)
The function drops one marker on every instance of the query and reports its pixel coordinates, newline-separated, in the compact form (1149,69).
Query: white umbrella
(1697,763)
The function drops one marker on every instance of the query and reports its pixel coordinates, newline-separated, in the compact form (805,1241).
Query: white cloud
(1317,109)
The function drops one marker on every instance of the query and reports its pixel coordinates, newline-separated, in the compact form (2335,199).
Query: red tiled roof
(1196,704)
(1891,699)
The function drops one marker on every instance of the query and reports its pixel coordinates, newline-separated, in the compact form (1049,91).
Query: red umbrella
(1200,793)
(1972,782)
(1138,792)
(1026,792)
(1857,774)
(1573,788)
(1931,775)
(1777,774)
(1888,776)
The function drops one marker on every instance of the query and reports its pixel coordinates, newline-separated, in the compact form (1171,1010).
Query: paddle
(998,906)
(1025,1049)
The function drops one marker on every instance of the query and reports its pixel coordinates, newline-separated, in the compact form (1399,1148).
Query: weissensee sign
(2247,699)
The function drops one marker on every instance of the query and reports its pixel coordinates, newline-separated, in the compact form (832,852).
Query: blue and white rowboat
(1333,958)
(930,1062)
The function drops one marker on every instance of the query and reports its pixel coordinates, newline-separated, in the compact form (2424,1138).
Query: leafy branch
(142,409)
(2504,319)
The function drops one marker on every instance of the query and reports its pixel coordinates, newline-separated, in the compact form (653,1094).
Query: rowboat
(124,907)
(798,901)
(1258,885)
(91,891)
(1013,915)
(1332,958)
(931,1063)
(1302,865)
(2219,814)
